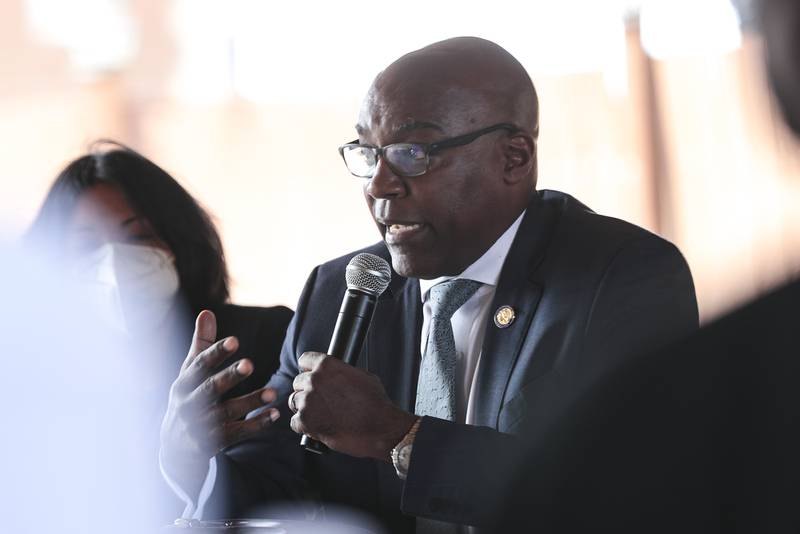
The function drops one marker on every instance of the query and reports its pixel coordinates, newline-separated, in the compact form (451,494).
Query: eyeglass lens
(406,159)
(360,160)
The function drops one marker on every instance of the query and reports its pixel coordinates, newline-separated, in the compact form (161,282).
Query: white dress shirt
(470,320)
(469,325)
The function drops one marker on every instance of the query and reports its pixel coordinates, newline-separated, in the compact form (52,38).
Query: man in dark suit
(703,436)
(548,291)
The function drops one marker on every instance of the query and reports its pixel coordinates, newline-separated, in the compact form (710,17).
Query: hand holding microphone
(344,407)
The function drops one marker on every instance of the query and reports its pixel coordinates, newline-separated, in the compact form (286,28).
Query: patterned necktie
(436,388)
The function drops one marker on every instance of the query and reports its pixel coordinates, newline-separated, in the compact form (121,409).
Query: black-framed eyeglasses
(405,159)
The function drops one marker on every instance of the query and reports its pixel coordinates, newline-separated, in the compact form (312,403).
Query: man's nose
(385,183)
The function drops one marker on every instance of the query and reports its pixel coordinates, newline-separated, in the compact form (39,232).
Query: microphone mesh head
(368,273)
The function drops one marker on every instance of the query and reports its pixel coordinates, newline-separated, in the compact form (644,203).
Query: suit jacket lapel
(516,288)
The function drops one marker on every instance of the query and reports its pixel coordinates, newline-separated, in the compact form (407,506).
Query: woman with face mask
(149,258)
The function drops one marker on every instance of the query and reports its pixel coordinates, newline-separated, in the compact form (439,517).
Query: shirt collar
(485,269)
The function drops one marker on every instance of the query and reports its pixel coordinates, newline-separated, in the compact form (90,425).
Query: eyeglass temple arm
(470,137)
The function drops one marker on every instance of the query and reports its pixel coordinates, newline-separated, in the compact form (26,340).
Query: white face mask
(133,286)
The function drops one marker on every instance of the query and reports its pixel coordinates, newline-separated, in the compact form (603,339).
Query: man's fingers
(218,384)
(297,425)
(207,362)
(237,408)
(302,381)
(205,333)
(297,401)
(235,432)
(311,360)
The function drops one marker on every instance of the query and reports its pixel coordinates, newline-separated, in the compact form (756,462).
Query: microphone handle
(347,339)
(350,331)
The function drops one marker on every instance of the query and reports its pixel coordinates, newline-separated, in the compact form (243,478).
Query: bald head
(466,81)
(465,110)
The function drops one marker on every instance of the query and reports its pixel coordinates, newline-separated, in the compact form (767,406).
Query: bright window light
(681,28)
(326,51)
(98,34)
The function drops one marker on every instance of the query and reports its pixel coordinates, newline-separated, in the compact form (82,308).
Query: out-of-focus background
(656,112)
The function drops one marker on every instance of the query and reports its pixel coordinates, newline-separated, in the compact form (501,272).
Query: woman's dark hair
(154,195)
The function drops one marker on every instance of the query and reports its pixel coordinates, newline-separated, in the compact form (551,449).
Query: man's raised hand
(197,424)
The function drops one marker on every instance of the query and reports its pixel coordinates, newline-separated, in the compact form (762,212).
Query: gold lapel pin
(504,316)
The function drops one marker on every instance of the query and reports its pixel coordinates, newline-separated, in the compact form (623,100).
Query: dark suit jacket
(701,437)
(260,332)
(588,290)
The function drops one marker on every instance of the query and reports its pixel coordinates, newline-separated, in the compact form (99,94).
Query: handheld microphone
(367,276)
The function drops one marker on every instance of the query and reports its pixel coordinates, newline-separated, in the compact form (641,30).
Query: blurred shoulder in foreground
(702,437)
(75,455)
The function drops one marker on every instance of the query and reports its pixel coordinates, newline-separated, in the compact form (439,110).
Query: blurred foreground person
(501,296)
(75,456)
(702,437)
(148,257)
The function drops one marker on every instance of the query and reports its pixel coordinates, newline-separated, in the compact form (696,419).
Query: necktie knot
(447,297)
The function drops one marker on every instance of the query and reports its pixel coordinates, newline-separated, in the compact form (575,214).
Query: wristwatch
(401,454)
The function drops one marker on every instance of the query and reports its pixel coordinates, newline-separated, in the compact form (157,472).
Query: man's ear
(519,153)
